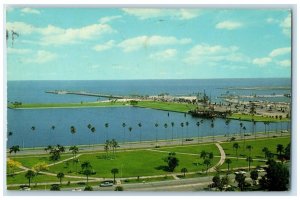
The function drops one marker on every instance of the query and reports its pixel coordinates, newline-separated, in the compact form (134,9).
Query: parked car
(107,183)
(240,172)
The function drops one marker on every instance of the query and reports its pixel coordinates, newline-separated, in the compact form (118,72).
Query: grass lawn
(169,106)
(30,161)
(245,117)
(241,162)
(258,145)
(20,179)
(194,149)
(134,163)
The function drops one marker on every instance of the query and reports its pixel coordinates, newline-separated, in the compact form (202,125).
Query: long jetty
(83,93)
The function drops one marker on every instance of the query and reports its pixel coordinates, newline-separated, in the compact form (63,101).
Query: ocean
(19,122)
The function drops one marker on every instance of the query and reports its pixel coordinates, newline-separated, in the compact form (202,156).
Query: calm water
(21,121)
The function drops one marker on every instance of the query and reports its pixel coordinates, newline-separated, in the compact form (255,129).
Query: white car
(240,172)
(77,190)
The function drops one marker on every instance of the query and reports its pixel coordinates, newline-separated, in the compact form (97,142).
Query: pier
(83,93)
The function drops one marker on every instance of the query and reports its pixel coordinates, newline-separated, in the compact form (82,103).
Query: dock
(83,93)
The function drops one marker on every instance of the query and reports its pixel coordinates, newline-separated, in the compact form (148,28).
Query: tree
(276,177)
(41,166)
(115,171)
(249,148)
(207,162)
(55,187)
(166,126)
(106,125)
(279,149)
(74,150)
(227,122)
(88,188)
(240,178)
(119,188)
(172,161)
(93,130)
(187,129)
(254,128)
(73,131)
(29,175)
(156,125)
(172,124)
(212,125)
(48,148)
(228,162)
(130,129)
(60,176)
(114,145)
(184,170)
(254,176)
(198,124)
(203,154)
(86,169)
(12,164)
(217,182)
(14,149)
(140,126)
(55,152)
(241,126)
(287,152)
(249,160)
(182,125)
(266,151)
(236,146)
(244,128)
(123,125)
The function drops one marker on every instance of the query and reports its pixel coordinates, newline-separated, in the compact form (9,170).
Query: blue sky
(110,44)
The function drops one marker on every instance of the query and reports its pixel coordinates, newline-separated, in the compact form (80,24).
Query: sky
(134,43)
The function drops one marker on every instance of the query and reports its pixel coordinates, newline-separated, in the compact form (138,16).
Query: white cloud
(139,42)
(164,55)
(286,25)
(285,63)
(212,55)
(17,51)
(280,51)
(105,46)
(52,35)
(262,61)
(105,20)
(30,11)
(41,57)
(229,25)
(181,14)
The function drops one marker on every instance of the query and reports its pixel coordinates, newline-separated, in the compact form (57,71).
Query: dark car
(106,183)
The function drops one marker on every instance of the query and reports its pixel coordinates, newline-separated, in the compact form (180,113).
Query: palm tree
(130,129)
(249,160)
(89,126)
(156,125)
(106,125)
(198,124)
(254,128)
(33,129)
(52,128)
(249,147)
(207,162)
(212,125)
(201,121)
(187,129)
(30,175)
(114,171)
(172,124)
(236,146)
(184,170)
(228,162)
(266,151)
(241,126)
(265,123)
(14,149)
(73,131)
(93,130)
(140,125)
(166,126)
(60,176)
(227,122)
(182,125)
(279,149)
(203,154)
(74,150)
(123,125)
(114,145)
(244,128)
(268,123)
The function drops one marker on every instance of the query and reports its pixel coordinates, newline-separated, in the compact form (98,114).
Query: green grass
(134,163)
(241,162)
(30,161)
(258,145)
(194,149)
(20,179)
(147,180)
(246,117)
(168,106)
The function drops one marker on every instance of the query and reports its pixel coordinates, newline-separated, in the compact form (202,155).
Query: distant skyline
(113,44)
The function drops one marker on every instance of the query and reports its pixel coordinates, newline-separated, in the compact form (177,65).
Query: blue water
(21,121)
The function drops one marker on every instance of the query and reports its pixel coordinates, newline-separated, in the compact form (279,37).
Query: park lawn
(258,145)
(168,106)
(241,162)
(194,149)
(246,117)
(30,161)
(133,164)
(20,179)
